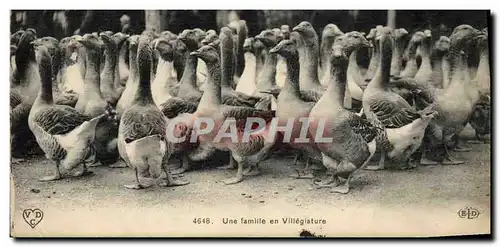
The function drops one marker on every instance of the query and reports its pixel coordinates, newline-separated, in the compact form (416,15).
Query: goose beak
(259,37)
(195,53)
(274,50)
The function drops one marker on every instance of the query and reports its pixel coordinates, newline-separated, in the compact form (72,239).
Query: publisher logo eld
(468,213)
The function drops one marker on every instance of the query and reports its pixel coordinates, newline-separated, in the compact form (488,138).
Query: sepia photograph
(250,123)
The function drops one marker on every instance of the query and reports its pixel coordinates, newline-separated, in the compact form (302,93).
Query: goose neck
(337,85)
(292,76)
(45,95)
(267,76)
(212,93)
(189,74)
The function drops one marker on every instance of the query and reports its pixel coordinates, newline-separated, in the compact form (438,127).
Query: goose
(281,65)
(438,58)
(309,79)
(188,84)
(141,133)
(330,32)
(291,104)
(73,67)
(24,89)
(411,67)
(123,63)
(228,94)
(241,30)
(424,72)
(375,56)
(353,140)
(163,85)
(405,125)
(92,103)
(400,42)
(480,119)
(354,41)
(111,87)
(266,79)
(132,81)
(454,103)
(259,143)
(253,65)
(64,135)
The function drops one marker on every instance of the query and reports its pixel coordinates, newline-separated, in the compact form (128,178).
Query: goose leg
(138,185)
(184,165)
(448,160)
(232,163)
(331,181)
(56,176)
(118,164)
(17,161)
(424,161)
(457,147)
(171,181)
(343,188)
(239,174)
(305,173)
(252,170)
(381,163)
(84,172)
(478,140)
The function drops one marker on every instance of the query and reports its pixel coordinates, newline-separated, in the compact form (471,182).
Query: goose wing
(310,96)
(59,119)
(394,113)
(240,114)
(363,127)
(235,98)
(15,99)
(139,123)
(175,106)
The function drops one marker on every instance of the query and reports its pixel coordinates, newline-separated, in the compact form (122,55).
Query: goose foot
(233,180)
(118,165)
(56,176)
(136,186)
(461,149)
(301,174)
(94,164)
(374,168)
(83,173)
(232,164)
(184,167)
(50,178)
(475,142)
(450,161)
(172,182)
(342,189)
(17,161)
(251,171)
(427,162)
(331,181)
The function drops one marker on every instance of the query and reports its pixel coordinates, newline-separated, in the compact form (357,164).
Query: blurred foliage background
(61,23)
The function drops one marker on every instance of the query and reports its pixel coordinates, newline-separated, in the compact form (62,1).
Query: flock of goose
(104,97)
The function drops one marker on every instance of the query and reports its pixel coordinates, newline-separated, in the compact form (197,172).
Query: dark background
(440,22)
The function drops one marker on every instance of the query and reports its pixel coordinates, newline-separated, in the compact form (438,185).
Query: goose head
(463,35)
(268,37)
(371,35)
(165,48)
(124,20)
(386,39)
(144,53)
(355,40)
(190,39)
(210,37)
(42,54)
(25,44)
(278,34)
(339,58)
(207,53)
(286,48)
(13,49)
(248,44)
(90,41)
(133,42)
(168,35)
(151,34)
(285,31)
(52,45)
(15,37)
(330,31)
(305,29)
(442,44)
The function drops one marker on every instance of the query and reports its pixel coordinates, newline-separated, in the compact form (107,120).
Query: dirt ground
(419,202)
